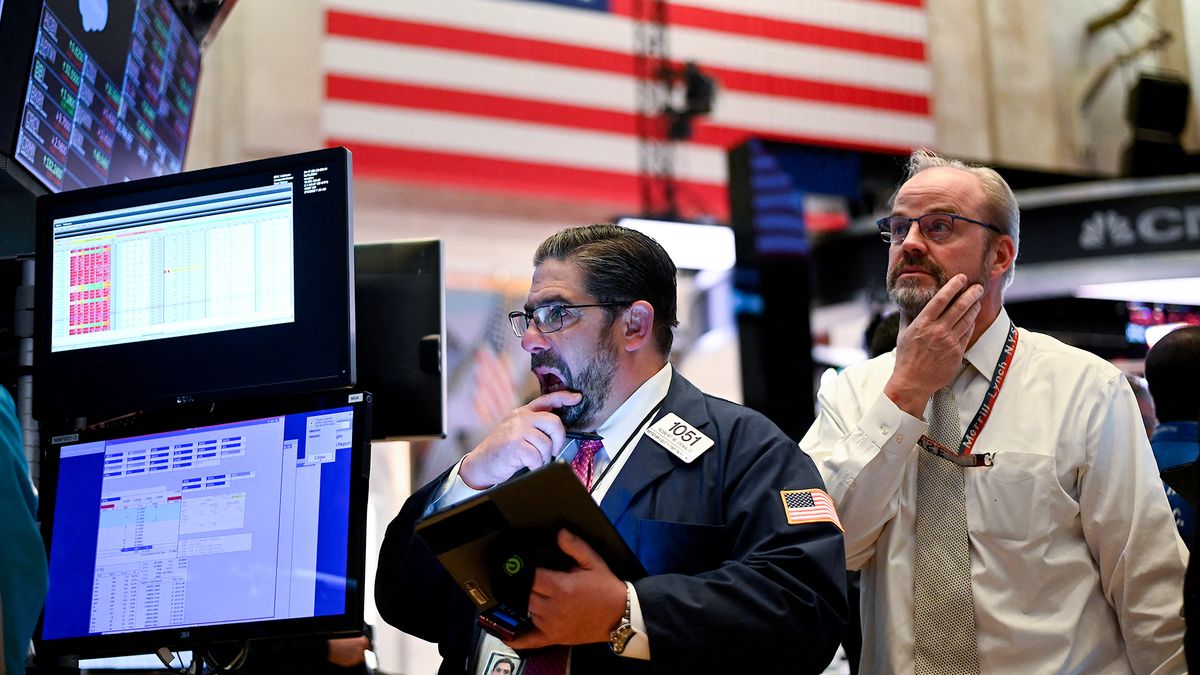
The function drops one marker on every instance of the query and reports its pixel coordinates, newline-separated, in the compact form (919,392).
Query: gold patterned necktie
(943,603)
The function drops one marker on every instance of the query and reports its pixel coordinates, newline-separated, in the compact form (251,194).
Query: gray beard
(912,298)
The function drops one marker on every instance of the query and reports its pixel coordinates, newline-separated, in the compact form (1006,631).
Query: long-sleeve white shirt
(1076,566)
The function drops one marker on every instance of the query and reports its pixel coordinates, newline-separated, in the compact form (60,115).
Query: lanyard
(963,456)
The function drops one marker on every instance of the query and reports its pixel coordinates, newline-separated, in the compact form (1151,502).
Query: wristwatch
(619,638)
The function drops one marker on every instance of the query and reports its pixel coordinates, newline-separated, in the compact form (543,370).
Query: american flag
(495,393)
(539,96)
(809,506)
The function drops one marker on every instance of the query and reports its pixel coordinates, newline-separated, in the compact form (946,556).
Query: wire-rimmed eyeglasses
(934,226)
(550,318)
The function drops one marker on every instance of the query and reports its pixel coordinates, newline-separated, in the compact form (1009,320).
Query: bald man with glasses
(997,488)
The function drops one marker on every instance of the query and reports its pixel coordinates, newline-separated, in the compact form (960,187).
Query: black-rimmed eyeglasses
(934,226)
(550,318)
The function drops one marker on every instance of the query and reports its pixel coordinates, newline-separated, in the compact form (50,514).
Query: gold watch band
(619,638)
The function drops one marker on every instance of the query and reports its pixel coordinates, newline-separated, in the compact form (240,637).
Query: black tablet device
(1183,480)
(492,543)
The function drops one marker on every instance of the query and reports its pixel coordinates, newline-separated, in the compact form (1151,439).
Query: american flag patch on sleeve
(809,506)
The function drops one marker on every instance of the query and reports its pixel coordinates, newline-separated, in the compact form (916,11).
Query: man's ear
(1003,252)
(638,325)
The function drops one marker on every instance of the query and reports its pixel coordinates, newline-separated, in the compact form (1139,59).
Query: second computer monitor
(399,291)
(224,282)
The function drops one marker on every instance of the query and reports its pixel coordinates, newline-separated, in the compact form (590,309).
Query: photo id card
(502,663)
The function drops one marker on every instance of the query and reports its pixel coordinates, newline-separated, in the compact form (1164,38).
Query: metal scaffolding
(656,151)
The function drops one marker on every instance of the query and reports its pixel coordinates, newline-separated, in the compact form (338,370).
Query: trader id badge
(679,437)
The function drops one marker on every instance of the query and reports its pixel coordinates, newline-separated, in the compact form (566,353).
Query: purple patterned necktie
(553,660)
(584,461)
(548,661)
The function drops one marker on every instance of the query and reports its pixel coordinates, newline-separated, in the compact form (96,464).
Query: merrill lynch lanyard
(964,457)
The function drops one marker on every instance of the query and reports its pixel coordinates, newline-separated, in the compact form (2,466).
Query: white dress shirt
(1076,566)
(621,432)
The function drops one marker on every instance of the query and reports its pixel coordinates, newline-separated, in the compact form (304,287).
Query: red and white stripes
(539,98)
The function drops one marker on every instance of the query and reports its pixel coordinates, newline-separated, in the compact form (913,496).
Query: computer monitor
(108,92)
(400,299)
(201,526)
(224,282)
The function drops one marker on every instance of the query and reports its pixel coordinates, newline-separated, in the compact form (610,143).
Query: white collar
(984,354)
(623,423)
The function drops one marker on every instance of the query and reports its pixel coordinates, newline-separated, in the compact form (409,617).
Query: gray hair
(1003,211)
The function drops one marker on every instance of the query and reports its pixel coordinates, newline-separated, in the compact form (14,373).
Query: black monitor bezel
(18,35)
(320,248)
(391,360)
(200,637)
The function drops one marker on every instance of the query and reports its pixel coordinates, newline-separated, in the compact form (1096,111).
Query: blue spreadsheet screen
(220,524)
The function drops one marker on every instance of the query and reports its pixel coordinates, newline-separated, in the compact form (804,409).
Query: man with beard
(996,486)
(744,554)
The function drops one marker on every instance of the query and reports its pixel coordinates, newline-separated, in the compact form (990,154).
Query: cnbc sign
(1117,218)
(1111,229)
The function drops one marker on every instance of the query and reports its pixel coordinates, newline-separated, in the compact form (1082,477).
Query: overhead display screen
(111,92)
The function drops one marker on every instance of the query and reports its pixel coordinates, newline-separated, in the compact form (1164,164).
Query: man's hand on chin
(528,438)
(930,347)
